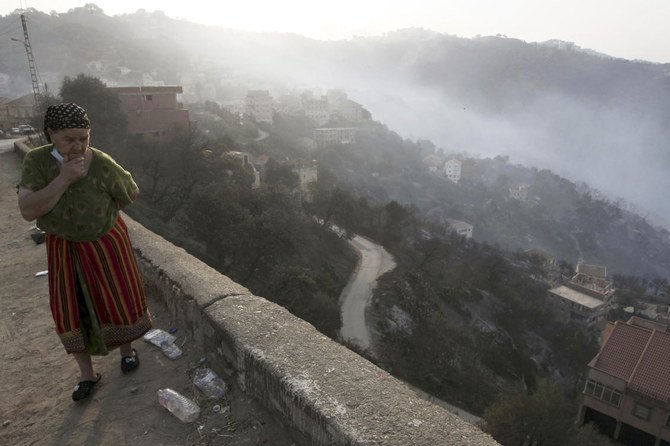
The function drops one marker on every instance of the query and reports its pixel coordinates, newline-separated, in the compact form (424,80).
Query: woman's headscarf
(67,115)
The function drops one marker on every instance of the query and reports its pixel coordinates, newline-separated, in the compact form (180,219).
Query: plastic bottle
(180,406)
(170,350)
(209,383)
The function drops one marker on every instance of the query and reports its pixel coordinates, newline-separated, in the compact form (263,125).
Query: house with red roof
(627,391)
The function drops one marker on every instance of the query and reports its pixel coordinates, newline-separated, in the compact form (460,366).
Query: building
(154,111)
(317,110)
(460,227)
(17,111)
(452,169)
(573,305)
(519,193)
(627,391)
(432,162)
(595,271)
(234,106)
(259,105)
(324,137)
(584,298)
(340,104)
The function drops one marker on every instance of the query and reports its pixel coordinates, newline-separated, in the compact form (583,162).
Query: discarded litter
(209,383)
(170,350)
(180,406)
(203,360)
(158,336)
(42,273)
(173,329)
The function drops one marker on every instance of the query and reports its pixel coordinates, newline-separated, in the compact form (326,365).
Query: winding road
(355,297)
(372,263)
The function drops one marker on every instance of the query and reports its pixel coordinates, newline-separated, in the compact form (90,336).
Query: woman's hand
(73,170)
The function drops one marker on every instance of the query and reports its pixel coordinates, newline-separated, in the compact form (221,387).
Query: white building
(452,169)
(519,193)
(324,137)
(259,105)
(234,106)
(460,227)
(317,110)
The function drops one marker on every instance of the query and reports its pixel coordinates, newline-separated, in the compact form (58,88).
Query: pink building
(627,393)
(154,111)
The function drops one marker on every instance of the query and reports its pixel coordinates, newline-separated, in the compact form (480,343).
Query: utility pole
(31,60)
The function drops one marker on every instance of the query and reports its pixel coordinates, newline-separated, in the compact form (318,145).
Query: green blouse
(89,207)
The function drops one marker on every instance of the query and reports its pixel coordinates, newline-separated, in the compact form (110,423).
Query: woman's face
(70,142)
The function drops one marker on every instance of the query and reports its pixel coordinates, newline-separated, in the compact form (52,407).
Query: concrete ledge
(315,385)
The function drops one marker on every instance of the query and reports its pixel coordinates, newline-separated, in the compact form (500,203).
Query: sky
(631,29)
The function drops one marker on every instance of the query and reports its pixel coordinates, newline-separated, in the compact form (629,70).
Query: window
(602,392)
(590,386)
(667,421)
(599,391)
(148,97)
(641,411)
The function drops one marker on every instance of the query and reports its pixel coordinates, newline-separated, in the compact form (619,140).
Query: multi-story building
(341,105)
(324,137)
(627,391)
(584,298)
(452,169)
(572,305)
(259,105)
(154,111)
(317,110)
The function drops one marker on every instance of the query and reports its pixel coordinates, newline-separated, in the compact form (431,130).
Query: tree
(544,417)
(281,175)
(103,106)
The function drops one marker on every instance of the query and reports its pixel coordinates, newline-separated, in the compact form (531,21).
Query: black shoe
(84,389)
(130,363)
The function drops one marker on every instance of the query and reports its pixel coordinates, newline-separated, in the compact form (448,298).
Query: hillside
(585,116)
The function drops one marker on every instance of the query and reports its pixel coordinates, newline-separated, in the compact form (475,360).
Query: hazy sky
(632,29)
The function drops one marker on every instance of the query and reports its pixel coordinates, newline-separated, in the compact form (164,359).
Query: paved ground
(373,262)
(37,377)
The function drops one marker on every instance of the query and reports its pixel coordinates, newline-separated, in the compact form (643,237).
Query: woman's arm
(34,204)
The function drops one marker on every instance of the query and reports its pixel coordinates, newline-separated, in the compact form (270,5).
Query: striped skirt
(95,292)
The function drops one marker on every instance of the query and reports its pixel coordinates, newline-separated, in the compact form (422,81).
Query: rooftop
(576,296)
(639,356)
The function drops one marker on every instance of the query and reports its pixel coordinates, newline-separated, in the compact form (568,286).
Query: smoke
(619,153)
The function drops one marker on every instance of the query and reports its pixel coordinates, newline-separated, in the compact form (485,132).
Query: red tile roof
(639,356)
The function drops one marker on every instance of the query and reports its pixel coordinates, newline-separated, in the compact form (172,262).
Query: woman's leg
(85,366)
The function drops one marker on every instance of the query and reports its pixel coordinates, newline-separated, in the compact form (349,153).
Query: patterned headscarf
(67,115)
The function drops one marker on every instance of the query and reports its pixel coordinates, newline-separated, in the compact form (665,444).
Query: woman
(95,290)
